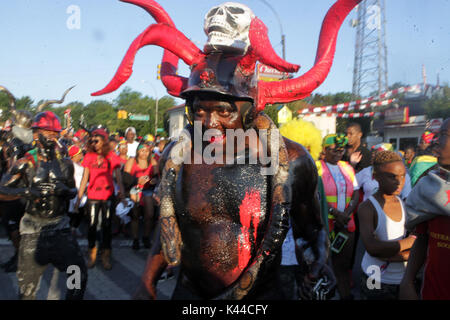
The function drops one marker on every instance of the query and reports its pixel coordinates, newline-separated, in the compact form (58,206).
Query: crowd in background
(115,176)
(362,193)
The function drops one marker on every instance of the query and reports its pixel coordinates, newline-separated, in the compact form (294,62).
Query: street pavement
(120,283)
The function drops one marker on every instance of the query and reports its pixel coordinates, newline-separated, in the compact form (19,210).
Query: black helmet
(220,73)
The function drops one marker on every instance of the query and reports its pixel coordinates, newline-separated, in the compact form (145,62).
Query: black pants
(94,210)
(38,250)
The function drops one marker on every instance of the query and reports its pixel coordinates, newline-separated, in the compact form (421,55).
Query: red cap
(427,137)
(46,120)
(100,132)
(73,151)
(80,133)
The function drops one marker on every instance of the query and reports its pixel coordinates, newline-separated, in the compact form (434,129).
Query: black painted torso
(222,212)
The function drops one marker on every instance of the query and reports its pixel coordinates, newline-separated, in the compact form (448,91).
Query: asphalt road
(120,283)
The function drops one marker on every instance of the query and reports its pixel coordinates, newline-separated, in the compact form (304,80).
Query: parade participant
(100,165)
(425,160)
(76,155)
(143,169)
(356,154)
(382,224)
(428,215)
(342,194)
(306,134)
(367,181)
(15,143)
(224,224)
(123,152)
(130,136)
(46,180)
(410,154)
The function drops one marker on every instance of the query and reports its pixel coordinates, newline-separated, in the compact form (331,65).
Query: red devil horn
(157,34)
(301,87)
(174,83)
(263,50)
(154,9)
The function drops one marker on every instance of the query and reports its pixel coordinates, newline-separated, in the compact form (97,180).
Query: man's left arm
(308,228)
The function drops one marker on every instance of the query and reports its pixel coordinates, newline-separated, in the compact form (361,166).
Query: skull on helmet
(227,27)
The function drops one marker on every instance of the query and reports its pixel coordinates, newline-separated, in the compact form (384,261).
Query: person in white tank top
(382,229)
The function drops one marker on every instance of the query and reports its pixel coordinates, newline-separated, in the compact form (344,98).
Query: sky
(42,55)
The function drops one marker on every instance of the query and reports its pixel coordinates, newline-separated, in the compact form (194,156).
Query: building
(177,120)
(404,123)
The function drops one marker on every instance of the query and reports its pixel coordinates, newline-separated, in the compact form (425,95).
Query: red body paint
(448,198)
(250,213)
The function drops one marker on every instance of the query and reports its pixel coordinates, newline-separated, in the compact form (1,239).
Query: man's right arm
(9,184)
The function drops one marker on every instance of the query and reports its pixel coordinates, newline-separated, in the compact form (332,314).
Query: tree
(439,105)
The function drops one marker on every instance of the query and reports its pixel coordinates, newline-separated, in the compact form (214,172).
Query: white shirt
(386,230)
(132,147)
(338,177)
(78,175)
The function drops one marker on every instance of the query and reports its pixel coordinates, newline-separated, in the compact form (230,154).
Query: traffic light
(122,114)
(158,72)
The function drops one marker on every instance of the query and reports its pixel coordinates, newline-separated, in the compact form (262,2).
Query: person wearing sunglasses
(101,165)
(144,170)
(342,195)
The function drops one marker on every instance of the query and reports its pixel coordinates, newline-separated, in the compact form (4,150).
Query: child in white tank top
(382,229)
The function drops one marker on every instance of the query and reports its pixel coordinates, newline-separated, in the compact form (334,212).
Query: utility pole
(283,38)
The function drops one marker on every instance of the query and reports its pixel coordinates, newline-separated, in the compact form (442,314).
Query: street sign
(266,73)
(139,117)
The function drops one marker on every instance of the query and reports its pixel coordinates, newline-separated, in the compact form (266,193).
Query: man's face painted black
(47,140)
(222,114)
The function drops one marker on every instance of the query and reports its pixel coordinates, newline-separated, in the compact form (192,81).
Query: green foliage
(103,112)
(439,105)
(272,112)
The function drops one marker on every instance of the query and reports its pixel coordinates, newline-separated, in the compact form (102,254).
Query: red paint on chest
(448,198)
(249,213)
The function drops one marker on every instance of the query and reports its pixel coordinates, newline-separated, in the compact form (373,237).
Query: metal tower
(370,66)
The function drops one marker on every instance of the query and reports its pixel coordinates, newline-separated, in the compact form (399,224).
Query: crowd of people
(368,194)
(286,228)
(60,179)
(365,198)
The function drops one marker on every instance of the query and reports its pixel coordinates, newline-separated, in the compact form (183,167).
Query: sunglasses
(95,141)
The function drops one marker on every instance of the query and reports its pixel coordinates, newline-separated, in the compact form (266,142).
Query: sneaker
(136,245)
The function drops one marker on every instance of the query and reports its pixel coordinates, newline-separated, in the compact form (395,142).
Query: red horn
(301,87)
(154,9)
(174,83)
(161,35)
(263,50)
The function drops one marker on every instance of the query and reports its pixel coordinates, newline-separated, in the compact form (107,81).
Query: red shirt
(101,183)
(138,172)
(436,284)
